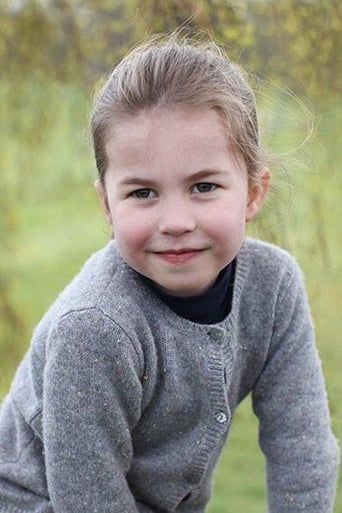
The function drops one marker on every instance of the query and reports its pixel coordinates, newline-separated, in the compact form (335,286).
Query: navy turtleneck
(208,308)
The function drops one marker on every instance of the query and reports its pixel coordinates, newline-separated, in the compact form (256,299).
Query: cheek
(226,223)
(131,233)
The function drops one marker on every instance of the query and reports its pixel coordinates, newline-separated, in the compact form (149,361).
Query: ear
(257,193)
(102,194)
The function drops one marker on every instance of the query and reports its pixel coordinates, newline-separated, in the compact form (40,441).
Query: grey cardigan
(121,406)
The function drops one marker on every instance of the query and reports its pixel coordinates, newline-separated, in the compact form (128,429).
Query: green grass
(52,222)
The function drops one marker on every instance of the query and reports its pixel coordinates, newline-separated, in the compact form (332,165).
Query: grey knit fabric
(121,406)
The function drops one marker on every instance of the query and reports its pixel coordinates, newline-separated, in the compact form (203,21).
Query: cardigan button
(221,417)
(216,334)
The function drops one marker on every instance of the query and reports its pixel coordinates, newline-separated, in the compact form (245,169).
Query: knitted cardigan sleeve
(92,401)
(290,401)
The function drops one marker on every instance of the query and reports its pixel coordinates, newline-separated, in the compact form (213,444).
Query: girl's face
(176,197)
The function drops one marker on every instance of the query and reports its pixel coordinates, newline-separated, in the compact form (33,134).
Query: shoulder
(270,303)
(90,283)
(265,253)
(268,263)
(106,303)
(268,280)
(103,282)
(93,300)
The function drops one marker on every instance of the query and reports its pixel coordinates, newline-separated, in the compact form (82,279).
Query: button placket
(220,407)
(217,412)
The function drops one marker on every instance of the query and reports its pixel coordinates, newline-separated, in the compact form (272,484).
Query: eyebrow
(199,175)
(136,180)
(207,173)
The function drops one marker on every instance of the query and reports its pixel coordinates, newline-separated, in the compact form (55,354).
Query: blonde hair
(167,73)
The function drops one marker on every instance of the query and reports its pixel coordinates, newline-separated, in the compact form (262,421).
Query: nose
(176,217)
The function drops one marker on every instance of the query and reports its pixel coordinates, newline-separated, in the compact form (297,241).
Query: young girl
(125,398)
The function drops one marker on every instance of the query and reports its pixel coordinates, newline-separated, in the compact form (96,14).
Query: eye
(204,187)
(144,193)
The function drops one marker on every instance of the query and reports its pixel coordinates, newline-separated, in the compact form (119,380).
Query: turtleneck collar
(208,308)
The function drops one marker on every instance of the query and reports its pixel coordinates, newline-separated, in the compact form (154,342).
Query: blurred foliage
(225,20)
(12,324)
(297,42)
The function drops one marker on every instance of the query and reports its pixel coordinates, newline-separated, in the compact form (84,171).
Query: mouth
(179,256)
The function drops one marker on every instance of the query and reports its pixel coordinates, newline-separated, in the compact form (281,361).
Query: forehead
(160,132)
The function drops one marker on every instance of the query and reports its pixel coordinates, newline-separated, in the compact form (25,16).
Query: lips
(179,256)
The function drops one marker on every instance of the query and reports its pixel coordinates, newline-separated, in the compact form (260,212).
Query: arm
(92,396)
(290,401)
